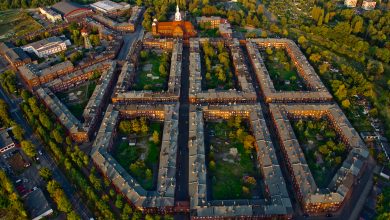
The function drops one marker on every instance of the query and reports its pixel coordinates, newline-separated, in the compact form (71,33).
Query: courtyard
(232,165)
(137,149)
(217,70)
(323,150)
(282,70)
(76,99)
(153,72)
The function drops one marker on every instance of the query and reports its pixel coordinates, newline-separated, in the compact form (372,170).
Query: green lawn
(324,152)
(141,158)
(228,178)
(143,82)
(282,70)
(16,23)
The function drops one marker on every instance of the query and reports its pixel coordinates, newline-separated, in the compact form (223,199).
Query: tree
(18,132)
(156,137)
(72,216)
(125,127)
(45,173)
(375,67)
(119,202)
(57,136)
(249,142)
(28,148)
(162,70)
(346,103)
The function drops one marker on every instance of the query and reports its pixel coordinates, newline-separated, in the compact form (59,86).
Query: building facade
(47,47)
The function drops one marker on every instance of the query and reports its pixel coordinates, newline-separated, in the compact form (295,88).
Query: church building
(176,28)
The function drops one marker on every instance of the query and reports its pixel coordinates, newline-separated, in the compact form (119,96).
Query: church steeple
(177,14)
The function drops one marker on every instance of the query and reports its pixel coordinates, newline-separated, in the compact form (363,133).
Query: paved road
(45,160)
(128,40)
(181,193)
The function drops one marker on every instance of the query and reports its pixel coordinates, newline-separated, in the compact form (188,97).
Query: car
(18,181)
(40,152)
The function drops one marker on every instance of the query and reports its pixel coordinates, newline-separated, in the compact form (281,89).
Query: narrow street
(181,193)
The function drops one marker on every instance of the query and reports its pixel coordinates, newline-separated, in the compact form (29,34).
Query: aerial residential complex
(163,198)
(126,78)
(317,93)
(245,93)
(171,123)
(277,202)
(313,199)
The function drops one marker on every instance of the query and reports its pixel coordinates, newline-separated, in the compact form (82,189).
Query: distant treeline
(10,4)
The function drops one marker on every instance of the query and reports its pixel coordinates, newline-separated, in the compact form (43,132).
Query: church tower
(177,14)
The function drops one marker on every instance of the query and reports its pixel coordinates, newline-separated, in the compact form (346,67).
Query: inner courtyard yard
(232,165)
(137,149)
(324,152)
(153,71)
(282,70)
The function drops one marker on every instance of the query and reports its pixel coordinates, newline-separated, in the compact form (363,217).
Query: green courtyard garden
(232,160)
(137,149)
(323,150)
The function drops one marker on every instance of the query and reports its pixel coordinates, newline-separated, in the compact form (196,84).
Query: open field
(323,150)
(282,71)
(16,23)
(232,166)
(138,152)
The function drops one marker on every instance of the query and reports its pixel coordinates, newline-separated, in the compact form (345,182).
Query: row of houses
(317,91)
(313,199)
(15,56)
(216,22)
(276,203)
(35,75)
(81,131)
(197,95)
(160,200)
(117,26)
(122,95)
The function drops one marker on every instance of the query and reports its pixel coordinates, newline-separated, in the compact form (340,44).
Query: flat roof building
(37,205)
(6,141)
(71,11)
(109,7)
(50,14)
(47,47)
